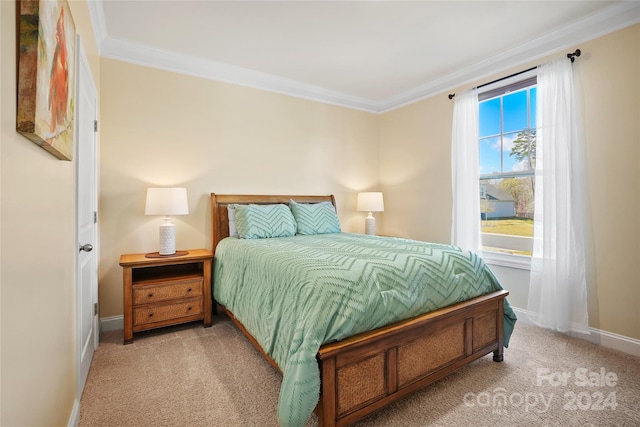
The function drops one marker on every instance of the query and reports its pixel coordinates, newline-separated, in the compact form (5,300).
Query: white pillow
(233,231)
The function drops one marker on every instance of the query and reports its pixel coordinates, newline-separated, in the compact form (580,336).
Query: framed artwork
(46,75)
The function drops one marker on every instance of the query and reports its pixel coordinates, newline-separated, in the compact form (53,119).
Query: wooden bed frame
(368,371)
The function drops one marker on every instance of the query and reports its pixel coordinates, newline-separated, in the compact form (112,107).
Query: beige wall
(166,129)
(415,174)
(38,257)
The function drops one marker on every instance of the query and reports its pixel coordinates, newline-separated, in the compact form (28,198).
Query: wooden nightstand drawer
(144,315)
(168,290)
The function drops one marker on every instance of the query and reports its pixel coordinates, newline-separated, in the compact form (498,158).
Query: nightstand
(165,291)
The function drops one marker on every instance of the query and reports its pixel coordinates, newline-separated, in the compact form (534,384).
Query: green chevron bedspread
(294,294)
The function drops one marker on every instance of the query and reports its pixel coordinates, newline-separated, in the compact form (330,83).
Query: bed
(359,366)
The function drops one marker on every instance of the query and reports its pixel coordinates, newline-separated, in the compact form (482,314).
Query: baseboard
(112,323)
(74,419)
(604,338)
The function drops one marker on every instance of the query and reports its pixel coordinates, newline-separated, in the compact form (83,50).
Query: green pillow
(262,221)
(315,218)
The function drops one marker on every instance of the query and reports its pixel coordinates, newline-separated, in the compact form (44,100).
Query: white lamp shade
(370,202)
(166,201)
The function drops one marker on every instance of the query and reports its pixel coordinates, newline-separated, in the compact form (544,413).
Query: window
(507,120)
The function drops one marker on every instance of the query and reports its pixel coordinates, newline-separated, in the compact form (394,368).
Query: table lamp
(167,202)
(370,202)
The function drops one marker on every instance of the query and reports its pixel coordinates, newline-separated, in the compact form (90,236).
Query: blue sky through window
(494,147)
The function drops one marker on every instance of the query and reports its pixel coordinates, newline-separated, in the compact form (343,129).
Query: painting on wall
(46,75)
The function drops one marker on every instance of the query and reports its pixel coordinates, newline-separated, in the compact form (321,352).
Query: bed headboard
(220,215)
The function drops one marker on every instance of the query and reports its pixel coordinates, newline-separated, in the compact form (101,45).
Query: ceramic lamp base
(167,238)
(370,225)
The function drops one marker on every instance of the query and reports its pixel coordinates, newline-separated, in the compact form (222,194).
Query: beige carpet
(192,376)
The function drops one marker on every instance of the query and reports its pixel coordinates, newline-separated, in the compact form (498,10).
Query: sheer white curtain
(558,285)
(465,227)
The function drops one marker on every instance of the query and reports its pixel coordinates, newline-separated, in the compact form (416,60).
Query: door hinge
(95,126)
(95,217)
(95,308)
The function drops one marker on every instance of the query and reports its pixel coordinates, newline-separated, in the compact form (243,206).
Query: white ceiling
(369,55)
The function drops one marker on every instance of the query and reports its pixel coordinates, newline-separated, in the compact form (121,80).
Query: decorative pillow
(231,211)
(315,218)
(262,221)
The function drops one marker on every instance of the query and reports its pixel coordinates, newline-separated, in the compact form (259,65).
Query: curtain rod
(571,56)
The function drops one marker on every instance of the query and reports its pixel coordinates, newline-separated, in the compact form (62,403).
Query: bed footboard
(369,371)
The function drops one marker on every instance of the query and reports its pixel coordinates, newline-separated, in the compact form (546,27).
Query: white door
(86,217)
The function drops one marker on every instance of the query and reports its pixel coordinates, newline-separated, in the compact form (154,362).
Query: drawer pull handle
(150,314)
(188,308)
(150,295)
(189,290)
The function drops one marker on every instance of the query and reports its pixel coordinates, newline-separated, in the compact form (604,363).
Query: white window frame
(497,88)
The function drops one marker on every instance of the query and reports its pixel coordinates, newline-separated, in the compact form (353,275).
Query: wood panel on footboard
(369,371)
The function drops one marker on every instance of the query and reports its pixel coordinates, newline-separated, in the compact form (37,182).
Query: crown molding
(613,18)
(96,14)
(608,20)
(190,65)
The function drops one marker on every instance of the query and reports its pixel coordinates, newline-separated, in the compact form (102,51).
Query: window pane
(515,111)
(532,107)
(522,150)
(489,116)
(490,155)
(516,195)
(510,163)
(506,207)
